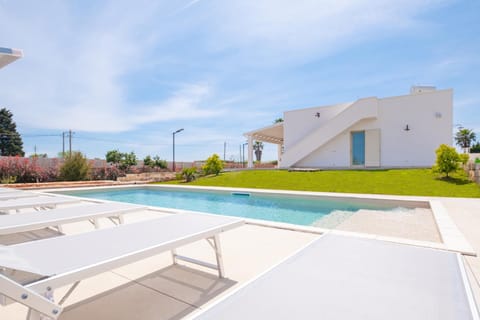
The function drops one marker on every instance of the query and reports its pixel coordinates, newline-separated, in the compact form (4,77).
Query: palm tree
(258,147)
(464,138)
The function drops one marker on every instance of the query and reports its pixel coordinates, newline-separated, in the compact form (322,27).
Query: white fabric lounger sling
(29,221)
(17,195)
(343,278)
(68,259)
(37,203)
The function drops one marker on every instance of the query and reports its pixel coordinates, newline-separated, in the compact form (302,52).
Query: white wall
(398,148)
(417,146)
(298,123)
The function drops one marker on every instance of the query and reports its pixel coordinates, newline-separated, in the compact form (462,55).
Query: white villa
(394,132)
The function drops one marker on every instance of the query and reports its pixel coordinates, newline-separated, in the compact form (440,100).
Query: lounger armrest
(29,298)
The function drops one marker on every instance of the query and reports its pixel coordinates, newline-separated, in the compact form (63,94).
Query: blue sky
(126,74)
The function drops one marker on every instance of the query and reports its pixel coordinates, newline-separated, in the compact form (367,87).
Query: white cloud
(276,31)
(74,74)
(77,64)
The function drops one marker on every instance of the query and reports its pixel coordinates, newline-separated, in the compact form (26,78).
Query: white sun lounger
(41,202)
(339,277)
(28,221)
(68,259)
(17,195)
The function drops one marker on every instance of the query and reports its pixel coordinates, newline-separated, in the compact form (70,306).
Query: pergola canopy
(270,134)
(8,55)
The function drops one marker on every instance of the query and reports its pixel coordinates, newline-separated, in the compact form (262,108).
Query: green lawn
(419,182)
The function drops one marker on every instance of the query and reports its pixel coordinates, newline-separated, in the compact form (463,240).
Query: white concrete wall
(417,146)
(298,123)
(398,148)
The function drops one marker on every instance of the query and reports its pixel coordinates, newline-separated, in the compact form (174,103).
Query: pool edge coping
(452,238)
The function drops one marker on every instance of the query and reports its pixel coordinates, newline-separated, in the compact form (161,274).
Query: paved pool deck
(156,289)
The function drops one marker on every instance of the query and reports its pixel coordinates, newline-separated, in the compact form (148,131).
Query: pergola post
(250,152)
(279,154)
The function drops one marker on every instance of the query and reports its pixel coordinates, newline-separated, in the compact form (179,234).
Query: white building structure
(394,132)
(8,55)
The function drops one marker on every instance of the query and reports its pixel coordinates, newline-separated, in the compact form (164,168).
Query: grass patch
(418,182)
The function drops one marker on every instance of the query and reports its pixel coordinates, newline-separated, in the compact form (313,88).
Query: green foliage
(477,160)
(11,143)
(75,168)
(122,160)
(278,120)
(447,160)
(189,174)
(475,148)
(213,165)
(114,156)
(8,180)
(417,182)
(464,138)
(157,162)
(148,161)
(463,158)
(128,160)
(38,155)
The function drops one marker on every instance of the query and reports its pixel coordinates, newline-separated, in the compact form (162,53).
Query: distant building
(402,131)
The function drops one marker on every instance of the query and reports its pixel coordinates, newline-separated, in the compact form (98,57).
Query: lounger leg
(33,315)
(218,254)
(174,256)
(96,223)
(60,228)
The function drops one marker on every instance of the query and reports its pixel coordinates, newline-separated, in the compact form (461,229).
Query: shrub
(477,160)
(464,158)
(475,148)
(24,170)
(213,165)
(75,168)
(189,174)
(447,160)
(147,161)
(157,162)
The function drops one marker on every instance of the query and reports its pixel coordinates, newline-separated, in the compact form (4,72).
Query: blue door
(358,148)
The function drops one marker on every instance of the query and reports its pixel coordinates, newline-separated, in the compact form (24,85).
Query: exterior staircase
(362,109)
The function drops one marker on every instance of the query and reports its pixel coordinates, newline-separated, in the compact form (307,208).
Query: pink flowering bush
(25,170)
(105,173)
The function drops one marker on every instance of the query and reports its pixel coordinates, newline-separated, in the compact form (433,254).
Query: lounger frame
(37,295)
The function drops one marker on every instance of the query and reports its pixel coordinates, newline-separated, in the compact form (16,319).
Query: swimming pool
(308,211)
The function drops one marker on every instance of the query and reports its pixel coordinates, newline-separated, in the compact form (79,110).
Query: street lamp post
(173,134)
(243,154)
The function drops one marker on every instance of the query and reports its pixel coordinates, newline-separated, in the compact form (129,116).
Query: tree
(213,165)
(114,157)
(75,168)
(464,138)
(128,160)
(258,148)
(278,120)
(10,140)
(447,160)
(475,148)
(148,161)
(157,162)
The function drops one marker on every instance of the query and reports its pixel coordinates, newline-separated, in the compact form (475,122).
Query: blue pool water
(301,211)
